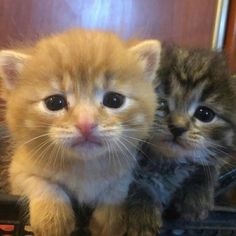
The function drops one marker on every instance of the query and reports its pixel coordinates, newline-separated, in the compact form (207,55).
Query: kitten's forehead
(189,76)
(191,66)
(94,58)
(180,96)
(88,85)
(69,85)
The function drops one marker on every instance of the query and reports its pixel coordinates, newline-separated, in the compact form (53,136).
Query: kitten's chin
(87,150)
(171,150)
(181,153)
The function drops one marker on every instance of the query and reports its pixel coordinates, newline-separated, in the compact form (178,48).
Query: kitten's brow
(107,78)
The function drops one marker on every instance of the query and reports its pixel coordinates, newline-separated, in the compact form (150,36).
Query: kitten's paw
(144,221)
(193,215)
(193,210)
(107,221)
(49,218)
(142,232)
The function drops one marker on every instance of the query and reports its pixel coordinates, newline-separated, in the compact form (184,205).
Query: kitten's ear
(149,53)
(11,64)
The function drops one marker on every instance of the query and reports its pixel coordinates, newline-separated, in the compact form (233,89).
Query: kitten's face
(84,93)
(196,115)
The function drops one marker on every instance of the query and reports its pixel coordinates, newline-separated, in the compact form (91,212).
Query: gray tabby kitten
(194,135)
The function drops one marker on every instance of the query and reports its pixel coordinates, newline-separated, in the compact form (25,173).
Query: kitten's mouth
(176,143)
(90,141)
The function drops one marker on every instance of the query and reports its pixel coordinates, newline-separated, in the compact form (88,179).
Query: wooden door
(185,22)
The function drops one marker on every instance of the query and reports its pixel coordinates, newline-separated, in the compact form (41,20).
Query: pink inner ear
(10,70)
(151,60)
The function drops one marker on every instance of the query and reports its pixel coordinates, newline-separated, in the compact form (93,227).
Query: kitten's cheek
(140,118)
(29,124)
(229,139)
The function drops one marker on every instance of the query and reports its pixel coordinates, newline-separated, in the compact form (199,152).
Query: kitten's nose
(86,127)
(177,130)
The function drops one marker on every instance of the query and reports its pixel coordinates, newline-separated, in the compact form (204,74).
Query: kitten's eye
(163,108)
(55,102)
(204,114)
(113,100)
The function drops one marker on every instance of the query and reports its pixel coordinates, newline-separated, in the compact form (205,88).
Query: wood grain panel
(185,22)
(230,40)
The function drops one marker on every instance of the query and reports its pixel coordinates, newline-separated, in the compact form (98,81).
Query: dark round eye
(55,102)
(204,114)
(162,109)
(113,100)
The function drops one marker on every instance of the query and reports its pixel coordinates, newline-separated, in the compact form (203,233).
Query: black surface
(221,220)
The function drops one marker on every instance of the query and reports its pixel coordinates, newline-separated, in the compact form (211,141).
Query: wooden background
(185,22)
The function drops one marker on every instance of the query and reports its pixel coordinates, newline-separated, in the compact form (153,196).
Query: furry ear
(149,53)
(11,64)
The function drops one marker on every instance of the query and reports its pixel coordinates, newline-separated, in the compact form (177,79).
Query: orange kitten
(78,104)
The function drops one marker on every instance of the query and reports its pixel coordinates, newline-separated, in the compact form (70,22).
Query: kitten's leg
(108,221)
(50,209)
(143,211)
(196,196)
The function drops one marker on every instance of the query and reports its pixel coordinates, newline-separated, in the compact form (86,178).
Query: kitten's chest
(95,186)
(165,177)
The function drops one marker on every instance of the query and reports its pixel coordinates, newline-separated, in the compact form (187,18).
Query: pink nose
(85,127)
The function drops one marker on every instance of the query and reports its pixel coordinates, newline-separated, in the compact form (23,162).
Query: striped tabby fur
(185,153)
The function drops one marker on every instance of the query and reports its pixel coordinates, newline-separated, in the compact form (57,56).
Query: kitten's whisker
(135,129)
(127,149)
(4,136)
(35,138)
(43,123)
(134,118)
(138,149)
(140,140)
(124,162)
(138,125)
(56,153)
(44,152)
(59,155)
(221,161)
(109,150)
(62,156)
(124,156)
(218,149)
(115,157)
(214,145)
(36,155)
(39,147)
(33,126)
(120,156)
(215,156)
(207,171)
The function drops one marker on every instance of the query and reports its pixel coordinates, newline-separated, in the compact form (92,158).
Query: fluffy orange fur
(81,66)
